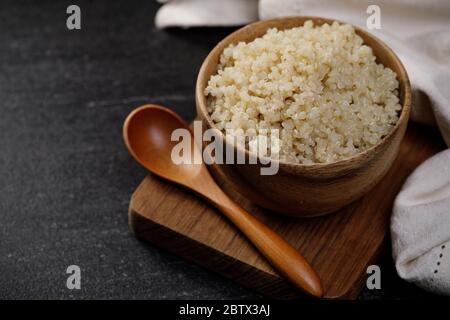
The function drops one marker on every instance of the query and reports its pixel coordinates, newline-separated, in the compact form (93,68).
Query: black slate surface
(65,177)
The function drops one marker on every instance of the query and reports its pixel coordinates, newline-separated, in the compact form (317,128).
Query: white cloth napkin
(194,13)
(419,32)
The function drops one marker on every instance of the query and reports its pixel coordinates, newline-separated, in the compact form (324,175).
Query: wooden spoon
(147,134)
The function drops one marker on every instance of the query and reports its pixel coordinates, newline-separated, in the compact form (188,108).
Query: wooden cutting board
(340,246)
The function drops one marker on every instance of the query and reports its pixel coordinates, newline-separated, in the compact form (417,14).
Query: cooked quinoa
(320,86)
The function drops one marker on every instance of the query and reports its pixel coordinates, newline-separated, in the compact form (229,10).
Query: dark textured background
(65,177)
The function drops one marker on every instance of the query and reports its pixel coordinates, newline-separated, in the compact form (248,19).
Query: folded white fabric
(194,13)
(419,32)
(420,225)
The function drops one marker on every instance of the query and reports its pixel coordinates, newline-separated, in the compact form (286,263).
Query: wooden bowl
(309,190)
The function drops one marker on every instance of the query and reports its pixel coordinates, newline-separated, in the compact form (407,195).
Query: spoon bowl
(147,133)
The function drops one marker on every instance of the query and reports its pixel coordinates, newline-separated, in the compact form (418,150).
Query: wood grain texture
(339,246)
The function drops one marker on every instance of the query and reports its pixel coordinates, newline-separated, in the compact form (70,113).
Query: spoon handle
(281,255)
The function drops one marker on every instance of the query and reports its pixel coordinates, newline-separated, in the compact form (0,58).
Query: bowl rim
(201,101)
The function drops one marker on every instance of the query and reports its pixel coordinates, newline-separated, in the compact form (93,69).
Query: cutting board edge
(140,226)
(191,250)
